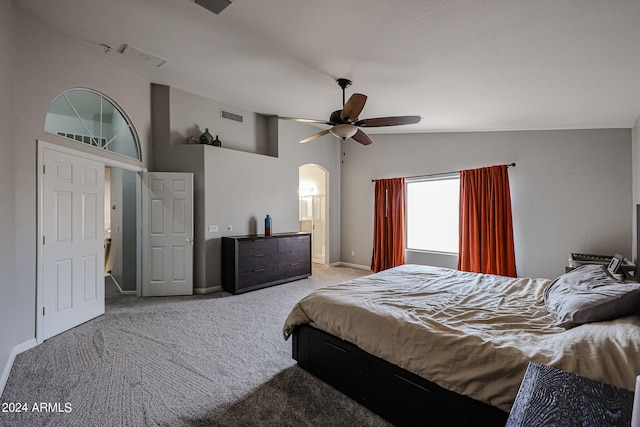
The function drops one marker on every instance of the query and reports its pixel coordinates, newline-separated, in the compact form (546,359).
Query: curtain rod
(437,174)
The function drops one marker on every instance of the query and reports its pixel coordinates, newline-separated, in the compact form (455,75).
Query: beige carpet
(213,360)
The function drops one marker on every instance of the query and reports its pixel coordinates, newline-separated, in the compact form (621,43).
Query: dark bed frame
(395,394)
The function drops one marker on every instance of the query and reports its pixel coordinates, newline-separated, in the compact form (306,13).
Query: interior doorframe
(42,145)
(327,206)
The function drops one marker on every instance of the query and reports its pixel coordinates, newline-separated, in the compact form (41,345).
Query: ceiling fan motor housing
(335,117)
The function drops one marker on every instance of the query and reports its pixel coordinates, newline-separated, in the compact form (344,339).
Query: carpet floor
(208,360)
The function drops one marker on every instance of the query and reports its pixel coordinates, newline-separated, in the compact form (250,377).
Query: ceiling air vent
(215,6)
(231,116)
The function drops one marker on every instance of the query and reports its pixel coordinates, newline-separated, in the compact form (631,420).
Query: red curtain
(486,229)
(388,224)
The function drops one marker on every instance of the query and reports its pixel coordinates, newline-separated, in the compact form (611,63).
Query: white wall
(571,190)
(48,63)
(10,336)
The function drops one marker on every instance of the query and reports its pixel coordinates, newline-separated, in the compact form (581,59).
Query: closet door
(72,241)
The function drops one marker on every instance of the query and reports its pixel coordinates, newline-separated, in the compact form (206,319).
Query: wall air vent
(215,6)
(231,116)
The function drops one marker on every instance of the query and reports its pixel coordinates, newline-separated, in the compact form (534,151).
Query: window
(432,214)
(91,118)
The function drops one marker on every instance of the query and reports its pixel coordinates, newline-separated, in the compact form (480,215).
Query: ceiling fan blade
(316,135)
(362,138)
(295,119)
(353,107)
(389,121)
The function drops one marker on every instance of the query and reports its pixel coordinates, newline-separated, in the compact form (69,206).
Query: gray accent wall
(237,185)
(570,191)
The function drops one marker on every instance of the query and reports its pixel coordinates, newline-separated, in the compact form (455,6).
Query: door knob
(188,240)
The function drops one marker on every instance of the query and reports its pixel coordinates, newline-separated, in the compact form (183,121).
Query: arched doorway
(313,191)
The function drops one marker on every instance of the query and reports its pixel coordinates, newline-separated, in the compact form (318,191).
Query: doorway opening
(313,212)
(121,192)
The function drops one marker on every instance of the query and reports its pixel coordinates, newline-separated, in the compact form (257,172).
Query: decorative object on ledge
(191,140)
(206,137)
(217,142)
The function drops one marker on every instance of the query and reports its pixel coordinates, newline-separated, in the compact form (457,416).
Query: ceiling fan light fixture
(344,131)
(346,122)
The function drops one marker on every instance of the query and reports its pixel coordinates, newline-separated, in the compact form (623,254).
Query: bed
(416,343)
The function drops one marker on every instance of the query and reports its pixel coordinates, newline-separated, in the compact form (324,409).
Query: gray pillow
(590,294)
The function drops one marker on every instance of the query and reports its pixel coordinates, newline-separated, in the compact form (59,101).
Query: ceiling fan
(345,123)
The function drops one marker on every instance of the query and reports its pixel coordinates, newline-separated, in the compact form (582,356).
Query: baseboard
(120,289)
(12,357)
(210,289)
(348,264)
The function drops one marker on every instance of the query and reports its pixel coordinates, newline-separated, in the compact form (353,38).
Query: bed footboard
(395,394)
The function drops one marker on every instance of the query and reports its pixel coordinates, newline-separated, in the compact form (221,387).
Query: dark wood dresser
(551,397)
(254,262)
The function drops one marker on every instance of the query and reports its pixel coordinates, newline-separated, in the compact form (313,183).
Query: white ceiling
(462,65)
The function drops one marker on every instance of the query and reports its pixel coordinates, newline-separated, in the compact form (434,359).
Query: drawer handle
(257,240)
(412,383)
(335,346)
(258,255)
(258,270)
(294,263)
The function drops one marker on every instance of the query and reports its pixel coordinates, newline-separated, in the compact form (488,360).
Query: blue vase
(267,226)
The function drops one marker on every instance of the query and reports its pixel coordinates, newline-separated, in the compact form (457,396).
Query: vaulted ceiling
(463,65)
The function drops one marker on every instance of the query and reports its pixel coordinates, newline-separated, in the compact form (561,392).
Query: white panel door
(72,241)
(167,230)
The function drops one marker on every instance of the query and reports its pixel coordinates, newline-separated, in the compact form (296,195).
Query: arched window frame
(97,141)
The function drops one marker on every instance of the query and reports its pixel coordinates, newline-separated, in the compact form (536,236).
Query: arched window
(91,118)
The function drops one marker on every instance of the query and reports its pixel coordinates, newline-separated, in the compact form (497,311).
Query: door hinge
(43,240)
(44,167)
(43,311)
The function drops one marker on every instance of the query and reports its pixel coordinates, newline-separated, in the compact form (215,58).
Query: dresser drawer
(294,256)
(257,246)
(289,268)
(257,262)
(257,276)
(300,244)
